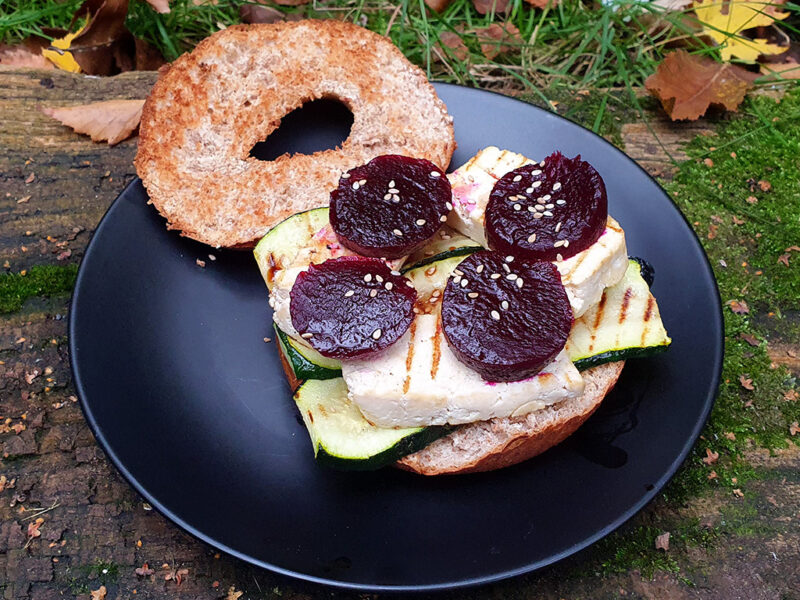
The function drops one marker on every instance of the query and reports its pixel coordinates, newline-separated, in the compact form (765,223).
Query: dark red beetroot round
(509,319)
(351,306)
(556,207)
(391,206)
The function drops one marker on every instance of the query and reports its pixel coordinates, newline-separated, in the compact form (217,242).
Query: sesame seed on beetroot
(562,209)
(498,326)
(394,205)
(351,306)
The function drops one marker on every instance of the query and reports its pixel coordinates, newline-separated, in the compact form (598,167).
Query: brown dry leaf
(738,492)
(254,13)
(687,85)
(233,594)
(438,5)
(542,3)
(712,230)
(729,435)
(746,383)
(178,576)
(794,428)
(791,396)
(711,457)
(751,200)
(785,70)
(784,258)
(112,121)
(144,570)
(739,307)
(750,339)
(793,249)
(498,39)
(737,221)
(712,475)
(454,43)
(160,6)
(765,185)
(33,528)
(486,6)
(100,593)
(291,2)
(662,541)
(22,57)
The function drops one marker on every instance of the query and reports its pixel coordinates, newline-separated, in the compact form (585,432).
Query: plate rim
(627,515)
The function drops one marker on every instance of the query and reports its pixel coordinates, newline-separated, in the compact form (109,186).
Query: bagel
(211,106)
(502,442)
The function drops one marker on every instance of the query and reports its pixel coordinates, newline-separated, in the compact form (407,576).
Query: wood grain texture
(97,523)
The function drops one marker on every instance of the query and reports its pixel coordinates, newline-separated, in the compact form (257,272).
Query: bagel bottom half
(502,442)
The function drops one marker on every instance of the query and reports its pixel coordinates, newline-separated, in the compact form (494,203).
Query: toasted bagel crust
(211,106)
(502,442)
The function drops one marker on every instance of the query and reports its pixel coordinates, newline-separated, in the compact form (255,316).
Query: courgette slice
(344,439)
(304,361)
(624,324)
(433,276)
(447,243)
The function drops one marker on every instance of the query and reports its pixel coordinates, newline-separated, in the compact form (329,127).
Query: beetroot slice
(351,306)
(505,317)
(556,207)
(391,206)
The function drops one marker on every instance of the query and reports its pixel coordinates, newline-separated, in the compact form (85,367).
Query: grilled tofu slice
(418,381)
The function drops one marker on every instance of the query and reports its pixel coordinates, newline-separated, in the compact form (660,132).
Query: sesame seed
(548,206)
(373,293)
(546,197)
(416,310)
(379,278)
(541,164)
(387,196)
(547,213)
(394,191)
(531,238)
(449,205)
(421,222)
(409,284)
(443,218)
(395,273)
(430,270)
(517,178)
(558,227)
(506,268)
(345,175)
(397,232)
(464,282)
(389,285)
(531,209)
(356,185)
(519,283)
(536,184)
(349,293)
(517,207)
(495,315)
(509,258)
(472,295)
(436,293)
(504,305)
(540,208)
(537,215)
(479,269)
(529,190)
(556,186)
(368,277)
(435,174)
(458,272)
(511,276)
(558,244)
(495,276)
(306,336)
(362,182)
(457,279)
(559,258)
(395,198)
(392,183)
(433,299)
(566,243)
(561,202)
(536,172)
(376,334)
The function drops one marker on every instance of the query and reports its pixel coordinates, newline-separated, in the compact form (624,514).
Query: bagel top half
(211,106)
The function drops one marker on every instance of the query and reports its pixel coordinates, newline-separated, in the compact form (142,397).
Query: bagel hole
(316,126)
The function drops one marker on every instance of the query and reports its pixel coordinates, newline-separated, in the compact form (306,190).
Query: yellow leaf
(64,59)
(724,22)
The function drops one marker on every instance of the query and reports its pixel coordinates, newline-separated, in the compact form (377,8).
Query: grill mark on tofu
(410,356)
(437,348)
(625,301)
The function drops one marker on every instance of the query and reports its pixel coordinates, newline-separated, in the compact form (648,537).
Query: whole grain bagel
(211,106)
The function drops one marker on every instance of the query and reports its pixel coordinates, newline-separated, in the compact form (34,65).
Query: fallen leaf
(793,249)
(791,396)
(751,200)
(33,528)
(438,5)
(455,44)
(99,593)
(291,2)
(233,594)
(144,570)
(160,6)
(765,186)
(711,457)
(542,3)
(746,383)
(662,541)
(730,436)
(22,57)
(724,22)
(750,339)
(778,71)
(687,85)
(712,231)
(177,576)
(486,6)
(498,39)
(112,121)
(737,221)
(712,475)
(739,307)
(794,428)
(58,53)
(255,13)
(784,258)
(708,162)
(738,492)
(30,178)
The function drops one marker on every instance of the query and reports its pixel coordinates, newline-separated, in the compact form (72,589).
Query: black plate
(191,405)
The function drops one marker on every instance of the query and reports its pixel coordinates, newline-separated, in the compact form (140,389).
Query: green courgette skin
(463,251)
(615,355)
(303,368)
(404,447)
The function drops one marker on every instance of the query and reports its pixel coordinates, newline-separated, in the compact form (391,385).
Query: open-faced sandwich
(455,323)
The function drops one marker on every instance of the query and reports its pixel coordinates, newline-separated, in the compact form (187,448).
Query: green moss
(41,280)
